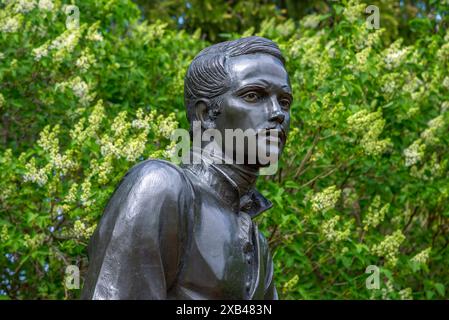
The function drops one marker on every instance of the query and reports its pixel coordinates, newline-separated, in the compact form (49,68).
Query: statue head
(240,84)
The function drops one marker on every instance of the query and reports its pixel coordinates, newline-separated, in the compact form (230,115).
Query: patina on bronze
(186,232)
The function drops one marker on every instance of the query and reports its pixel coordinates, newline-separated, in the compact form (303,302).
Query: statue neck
(243,176)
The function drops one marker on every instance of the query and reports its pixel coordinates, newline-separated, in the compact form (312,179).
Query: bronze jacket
(172,232)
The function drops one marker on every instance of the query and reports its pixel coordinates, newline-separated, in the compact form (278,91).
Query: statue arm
(270,288)
(271,292)
(136,250)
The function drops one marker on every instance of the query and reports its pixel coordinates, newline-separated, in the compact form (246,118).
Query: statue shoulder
(148,213)
(151,190)
(154,176)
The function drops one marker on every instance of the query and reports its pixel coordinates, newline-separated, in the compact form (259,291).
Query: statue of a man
(186,232)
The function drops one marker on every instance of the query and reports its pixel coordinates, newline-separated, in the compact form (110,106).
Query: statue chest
(223,257)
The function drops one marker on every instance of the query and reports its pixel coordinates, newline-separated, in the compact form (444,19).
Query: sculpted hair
(207,77)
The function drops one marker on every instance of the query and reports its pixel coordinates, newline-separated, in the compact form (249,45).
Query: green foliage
(363,179)
(88,97)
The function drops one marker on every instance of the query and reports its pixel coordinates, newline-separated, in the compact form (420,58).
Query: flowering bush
(363,179)
(80,106)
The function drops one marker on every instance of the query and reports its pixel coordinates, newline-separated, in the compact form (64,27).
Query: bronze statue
(186,232)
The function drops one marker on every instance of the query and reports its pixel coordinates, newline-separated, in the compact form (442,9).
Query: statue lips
(280,134)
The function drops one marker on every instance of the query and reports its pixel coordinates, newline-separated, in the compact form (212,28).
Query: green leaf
(440,289)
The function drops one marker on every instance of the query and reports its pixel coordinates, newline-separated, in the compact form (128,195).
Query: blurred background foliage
(363,180)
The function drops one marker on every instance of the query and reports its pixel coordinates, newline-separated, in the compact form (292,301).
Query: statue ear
(203,114)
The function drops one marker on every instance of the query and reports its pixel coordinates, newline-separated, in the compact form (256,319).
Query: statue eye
(251,96)
(285,103)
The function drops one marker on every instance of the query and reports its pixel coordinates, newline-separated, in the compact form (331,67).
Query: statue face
(259,98)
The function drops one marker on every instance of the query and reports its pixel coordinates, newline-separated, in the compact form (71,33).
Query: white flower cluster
(443,52)
(80,89)
(24,6)
(79,134)
(290,284)
(86,197)
(413,84)
(102,169)
(310,49)
(80,230)
(95,118)
(2,100)
(430,170)
(10,24)
(330,48)
(46,5)
(167,124)
(389,289)
(33,242)
(370,125)
(373,37)
(353,10)
(325,200)
(406,294)
(117,145)
(67,40)
(446,82)
(4,236)
(85,60)
(394,55)
(390,83)
(429,135)
(33,174)
(362,59)
(40,52)
(49,139)
(95,37)
(170,150)
(389,247)
(414,153)
(376,214)
(310,21)
(134,148)
(444,107)
(150,32)
(72,195)
(422,257)
(330,233)
(93,34)
(63,44)
(49,142)
(120,126)
(143,120)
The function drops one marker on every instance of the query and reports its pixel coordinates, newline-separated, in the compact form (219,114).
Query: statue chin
(269,152)
(264,159)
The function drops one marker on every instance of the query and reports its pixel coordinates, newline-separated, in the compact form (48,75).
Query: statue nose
(277,116)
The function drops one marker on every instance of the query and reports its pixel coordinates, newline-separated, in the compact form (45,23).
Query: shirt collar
(253,202)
